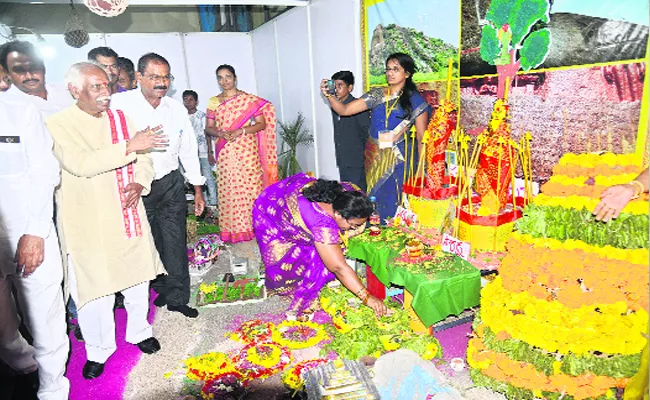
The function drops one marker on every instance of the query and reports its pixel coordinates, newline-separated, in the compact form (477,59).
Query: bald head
(89,85)
(77,73)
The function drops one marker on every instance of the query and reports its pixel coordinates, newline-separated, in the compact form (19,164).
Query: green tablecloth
(436,295)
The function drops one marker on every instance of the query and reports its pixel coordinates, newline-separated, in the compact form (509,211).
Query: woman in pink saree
(246,153)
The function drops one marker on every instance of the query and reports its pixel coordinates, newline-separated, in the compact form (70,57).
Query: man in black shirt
(350,134)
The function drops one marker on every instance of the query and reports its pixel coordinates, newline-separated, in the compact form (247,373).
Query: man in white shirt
(206,149)
(166,205)
(26,69)
(30,257)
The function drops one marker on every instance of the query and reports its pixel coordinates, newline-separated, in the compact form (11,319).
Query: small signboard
(454,246)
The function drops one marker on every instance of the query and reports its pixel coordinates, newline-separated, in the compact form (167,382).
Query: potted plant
(293,134)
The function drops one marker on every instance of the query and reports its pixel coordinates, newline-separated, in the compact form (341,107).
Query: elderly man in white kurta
(108,240)
(29,251)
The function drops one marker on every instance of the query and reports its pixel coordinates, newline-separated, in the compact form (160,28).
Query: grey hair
(75,74)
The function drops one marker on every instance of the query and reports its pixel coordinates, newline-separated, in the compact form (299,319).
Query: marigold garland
(299,335)
(614,366)
(571,171)
(520,374)
(574,277)
(513,392)
(292,377)
(253,331)
(209,366)
(554,327)
(634,256)
(591,160)
(261,360)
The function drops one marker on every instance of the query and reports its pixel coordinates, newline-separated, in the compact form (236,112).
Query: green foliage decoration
(489,45)
(625,232)
(293,134)
(535,49)
(522,16)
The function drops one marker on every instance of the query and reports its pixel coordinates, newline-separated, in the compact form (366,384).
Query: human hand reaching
(132,192)
(613,200)
(147,139)
(377,306)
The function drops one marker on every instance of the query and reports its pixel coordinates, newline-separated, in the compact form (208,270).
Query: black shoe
(119,301)
(160,301)
(77,334)
(26,386)
(185,310)
(149,346)
(92,370)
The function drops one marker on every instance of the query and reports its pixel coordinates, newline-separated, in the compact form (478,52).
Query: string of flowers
(299,335)
(585,278)
(253,331)
(614,366)
(524,375)
(593,160)
(634,256)
(261,360)
(608,328)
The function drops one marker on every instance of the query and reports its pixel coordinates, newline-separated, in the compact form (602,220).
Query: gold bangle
(329,96)
(639,188)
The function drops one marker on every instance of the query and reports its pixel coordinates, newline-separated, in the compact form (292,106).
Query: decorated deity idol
(440,128)
(496,161)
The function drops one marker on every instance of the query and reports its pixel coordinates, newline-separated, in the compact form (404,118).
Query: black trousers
(166,210)
(356,175)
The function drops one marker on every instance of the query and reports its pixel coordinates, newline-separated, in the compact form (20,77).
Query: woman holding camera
(394,110)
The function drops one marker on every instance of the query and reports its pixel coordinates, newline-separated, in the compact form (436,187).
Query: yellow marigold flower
(554,327)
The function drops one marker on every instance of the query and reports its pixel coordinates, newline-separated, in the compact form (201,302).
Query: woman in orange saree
(246,153)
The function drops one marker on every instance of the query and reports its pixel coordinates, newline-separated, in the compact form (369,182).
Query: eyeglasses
(156,78)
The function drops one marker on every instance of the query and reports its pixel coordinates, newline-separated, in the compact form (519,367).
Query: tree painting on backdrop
(427,30)
(576,72)
(581,32)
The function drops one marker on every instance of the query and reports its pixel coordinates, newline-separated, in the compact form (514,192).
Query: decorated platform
(441,284)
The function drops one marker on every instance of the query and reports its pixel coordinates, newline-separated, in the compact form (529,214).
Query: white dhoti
(97,320)
(40,297)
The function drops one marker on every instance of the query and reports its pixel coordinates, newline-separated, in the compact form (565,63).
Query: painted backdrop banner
(577,69)
(427,30)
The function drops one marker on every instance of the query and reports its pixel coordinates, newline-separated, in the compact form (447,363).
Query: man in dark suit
(350,134)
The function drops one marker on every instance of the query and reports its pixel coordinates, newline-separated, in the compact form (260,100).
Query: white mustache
(103,98)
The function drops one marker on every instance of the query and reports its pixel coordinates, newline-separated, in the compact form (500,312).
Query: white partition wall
(335,48)
(168,45)
(310,43)
(265,58)
(205,51)
(294,74)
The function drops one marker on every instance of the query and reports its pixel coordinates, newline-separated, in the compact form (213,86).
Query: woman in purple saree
(297,223)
